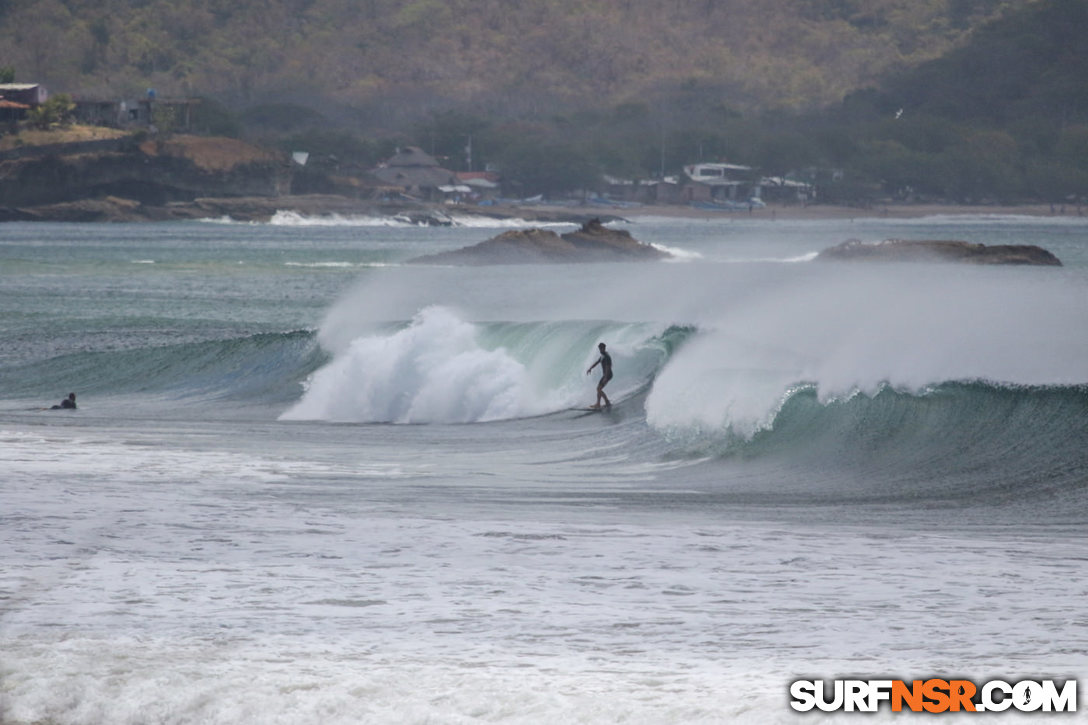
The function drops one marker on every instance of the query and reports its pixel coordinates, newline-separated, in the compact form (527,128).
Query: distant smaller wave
(338,265)
(285,218)
(973,219)
(641,218)
(807,257)
(678,254)
(480,222)
(262,367)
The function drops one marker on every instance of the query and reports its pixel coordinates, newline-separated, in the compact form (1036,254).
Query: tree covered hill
(1032,65)
(965,100)
(1005,116)
(393,60)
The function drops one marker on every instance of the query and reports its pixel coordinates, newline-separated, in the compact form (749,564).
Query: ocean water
(310,483)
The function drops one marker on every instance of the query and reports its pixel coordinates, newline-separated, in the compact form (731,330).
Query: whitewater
(310,482)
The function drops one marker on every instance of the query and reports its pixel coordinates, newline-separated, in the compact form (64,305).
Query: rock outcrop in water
(901,250)
(594,242)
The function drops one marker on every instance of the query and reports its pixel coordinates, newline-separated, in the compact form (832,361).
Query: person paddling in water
(605,361)
(68,403)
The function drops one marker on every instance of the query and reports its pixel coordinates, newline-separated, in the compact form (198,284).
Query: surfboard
(587,411)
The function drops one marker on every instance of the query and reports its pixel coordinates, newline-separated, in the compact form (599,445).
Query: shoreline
(262,209)
(771,212)
(812,212)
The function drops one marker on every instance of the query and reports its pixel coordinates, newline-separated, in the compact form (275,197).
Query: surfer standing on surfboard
(605,361)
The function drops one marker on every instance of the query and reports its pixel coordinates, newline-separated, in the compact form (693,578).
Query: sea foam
(432,371)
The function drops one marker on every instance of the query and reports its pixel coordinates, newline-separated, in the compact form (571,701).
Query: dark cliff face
(129,171)
(900,250)
(592,243)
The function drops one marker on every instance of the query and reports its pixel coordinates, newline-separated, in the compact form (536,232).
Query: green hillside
(1031,65)
(392,60)
(958,100)
(1004,117)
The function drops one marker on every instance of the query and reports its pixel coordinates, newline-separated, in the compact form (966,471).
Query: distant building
(721,183)
(128,113)
(713,186)
(644,191)
(16,99)
(30,94)
(787,189)
(638,191)
(481,184)
(419,174)
(112,113)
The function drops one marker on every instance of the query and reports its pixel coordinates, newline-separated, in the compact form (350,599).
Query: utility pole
(662,177)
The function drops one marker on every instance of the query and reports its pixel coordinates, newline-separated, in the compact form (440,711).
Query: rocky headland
(593,242)
(929,250)
(128,178)
(132,177)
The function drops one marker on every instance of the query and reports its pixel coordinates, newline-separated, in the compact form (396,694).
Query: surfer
(605,361)
(68,403)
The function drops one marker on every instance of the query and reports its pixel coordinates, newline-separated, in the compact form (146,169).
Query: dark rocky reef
(594,242)
(902,250)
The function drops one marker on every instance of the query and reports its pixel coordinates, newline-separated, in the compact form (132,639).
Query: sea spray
(432,371)
(439,368)
(840,336)
(712,387)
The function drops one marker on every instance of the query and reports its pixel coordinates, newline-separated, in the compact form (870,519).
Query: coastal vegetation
(392,60)
(971,101)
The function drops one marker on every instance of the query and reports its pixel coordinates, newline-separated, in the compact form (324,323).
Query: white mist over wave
(765,328)
(433,371)
(439,368)
(847,337)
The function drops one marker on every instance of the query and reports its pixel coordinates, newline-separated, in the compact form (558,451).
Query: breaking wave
(441,369)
